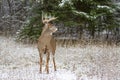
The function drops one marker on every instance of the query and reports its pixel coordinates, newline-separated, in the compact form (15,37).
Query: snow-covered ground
(91,62)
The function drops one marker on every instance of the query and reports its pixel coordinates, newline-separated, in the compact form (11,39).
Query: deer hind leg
(47,61)
(40,63)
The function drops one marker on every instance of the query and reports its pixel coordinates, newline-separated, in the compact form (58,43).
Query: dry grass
(92,60)
(87,62)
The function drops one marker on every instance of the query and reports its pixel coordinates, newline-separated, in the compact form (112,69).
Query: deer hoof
(47,72)
(40,72)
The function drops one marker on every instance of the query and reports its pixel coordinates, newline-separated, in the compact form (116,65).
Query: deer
(47,43)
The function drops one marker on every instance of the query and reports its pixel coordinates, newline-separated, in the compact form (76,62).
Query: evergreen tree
(97,15)
(94,13)
(32,29)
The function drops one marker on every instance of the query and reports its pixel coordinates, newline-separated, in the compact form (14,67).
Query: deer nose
(54,29)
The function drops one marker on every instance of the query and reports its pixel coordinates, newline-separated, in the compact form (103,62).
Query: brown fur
(47,44)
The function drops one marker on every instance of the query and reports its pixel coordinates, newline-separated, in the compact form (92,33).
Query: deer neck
(46,32)
(44,29)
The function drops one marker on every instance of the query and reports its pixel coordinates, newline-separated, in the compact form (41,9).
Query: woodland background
(97,20)
(80,22)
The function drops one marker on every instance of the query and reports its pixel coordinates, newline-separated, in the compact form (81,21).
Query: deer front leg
(40,63)
(40,59)
(47,62)
(54,62)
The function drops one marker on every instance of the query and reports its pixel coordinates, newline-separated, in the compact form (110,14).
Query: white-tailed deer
(46,42)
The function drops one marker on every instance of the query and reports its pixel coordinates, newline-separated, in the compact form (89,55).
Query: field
(20,61)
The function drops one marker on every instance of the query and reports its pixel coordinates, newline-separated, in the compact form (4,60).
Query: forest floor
(20,61)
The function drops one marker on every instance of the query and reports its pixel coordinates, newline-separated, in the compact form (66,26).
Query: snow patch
(32,73)
(90,62)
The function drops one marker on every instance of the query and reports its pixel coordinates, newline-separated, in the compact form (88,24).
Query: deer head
(47,20)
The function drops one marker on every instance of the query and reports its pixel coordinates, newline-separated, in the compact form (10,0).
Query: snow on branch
(86,15)
(81,13)
(64,1)
(110,9)
(103,7)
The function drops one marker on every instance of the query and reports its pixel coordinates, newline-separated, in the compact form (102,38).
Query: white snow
(64,1)
(85,14)
(91,62)
(20,62)
(82,13)
(106,7)
(31,73)
(99,6)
